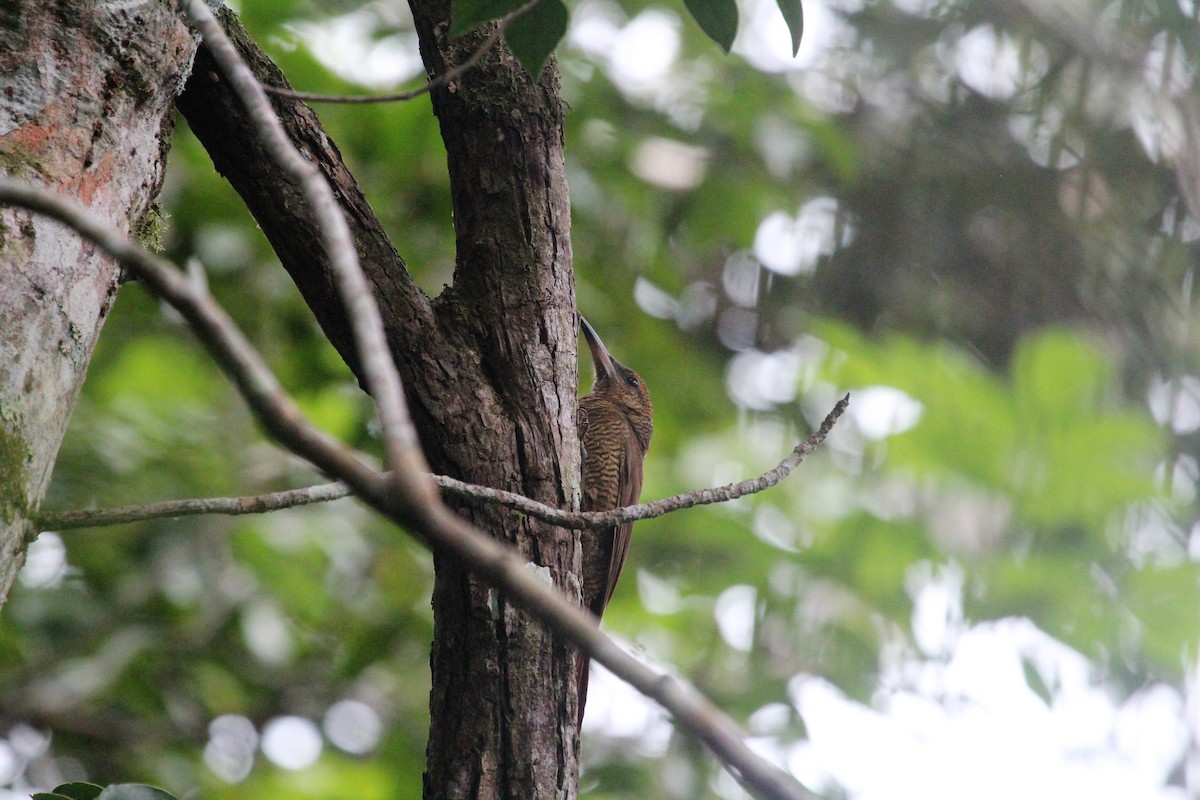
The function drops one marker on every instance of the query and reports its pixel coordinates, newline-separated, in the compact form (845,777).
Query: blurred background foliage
(965,213)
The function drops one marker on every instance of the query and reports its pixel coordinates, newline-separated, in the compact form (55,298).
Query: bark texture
(490,372)
(513,293)
(85,111)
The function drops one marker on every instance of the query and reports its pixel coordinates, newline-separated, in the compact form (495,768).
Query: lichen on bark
(14,475)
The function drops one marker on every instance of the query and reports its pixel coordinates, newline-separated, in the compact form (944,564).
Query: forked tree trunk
(489,369)
(84,111)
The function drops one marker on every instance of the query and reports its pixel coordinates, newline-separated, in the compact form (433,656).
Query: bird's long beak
(600,357)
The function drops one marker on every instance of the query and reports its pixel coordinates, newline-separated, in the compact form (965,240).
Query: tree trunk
(504,697)
(490,373)
(85,111)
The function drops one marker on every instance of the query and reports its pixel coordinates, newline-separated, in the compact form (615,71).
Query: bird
(615,423)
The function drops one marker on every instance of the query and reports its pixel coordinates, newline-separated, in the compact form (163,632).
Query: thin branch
(404,455)
(168,509)
(430,519)
(433,83)
(654,508)
(321,493)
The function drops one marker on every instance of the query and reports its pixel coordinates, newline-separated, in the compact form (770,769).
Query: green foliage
(151,229)
(1054,462)
(1049,437)
(534,35)
(90,791)
(133,791)
(332,779)
(467,15)
(74,791)
(1155,596)
(717,18)
(793,15)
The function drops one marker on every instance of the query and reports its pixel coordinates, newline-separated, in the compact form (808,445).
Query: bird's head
(623,387)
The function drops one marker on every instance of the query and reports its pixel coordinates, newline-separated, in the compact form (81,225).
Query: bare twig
(167,509)
(655,508)
(433,83)
(430,519)
(263,503)
(404,456)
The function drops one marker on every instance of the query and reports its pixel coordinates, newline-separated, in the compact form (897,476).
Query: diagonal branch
(426,517)
(325,492)
(216,117)
(379,370)
(219,334)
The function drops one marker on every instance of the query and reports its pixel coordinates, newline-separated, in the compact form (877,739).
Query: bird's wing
(600,430)
(629,493)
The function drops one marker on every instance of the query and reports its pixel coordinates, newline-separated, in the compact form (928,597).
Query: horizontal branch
(168,509)
(325,492)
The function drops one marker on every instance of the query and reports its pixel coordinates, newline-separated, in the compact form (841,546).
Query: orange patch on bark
(46,145)
(95,178)
(32,137)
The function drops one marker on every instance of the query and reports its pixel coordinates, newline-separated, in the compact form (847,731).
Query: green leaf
(51,796)
(76,791)
(467,15)
(533,36)
(717,18)
(793,15)
(134,791)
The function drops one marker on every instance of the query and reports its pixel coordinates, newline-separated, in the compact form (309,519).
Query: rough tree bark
(514,294)
(489,368)
(85,111)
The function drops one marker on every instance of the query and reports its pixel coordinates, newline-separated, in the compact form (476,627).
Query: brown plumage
(615,426)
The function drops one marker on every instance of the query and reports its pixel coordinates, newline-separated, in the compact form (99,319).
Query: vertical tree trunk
(88,88)
(504,699)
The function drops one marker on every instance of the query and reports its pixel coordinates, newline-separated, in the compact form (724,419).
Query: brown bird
(615,426)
